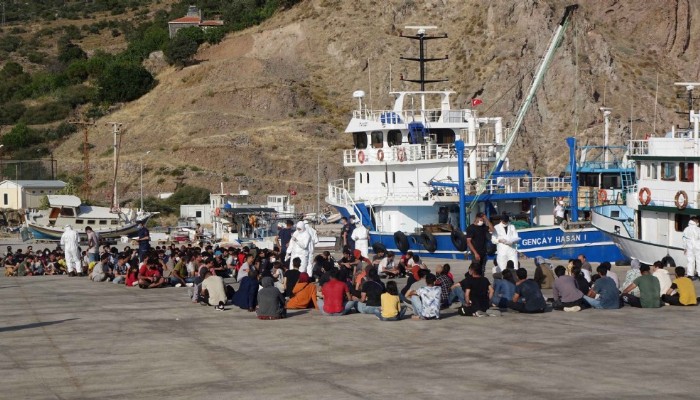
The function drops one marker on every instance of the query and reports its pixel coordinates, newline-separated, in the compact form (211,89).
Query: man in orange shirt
(303,294)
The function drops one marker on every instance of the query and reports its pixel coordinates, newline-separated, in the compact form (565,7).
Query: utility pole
(85,187)
(116,131)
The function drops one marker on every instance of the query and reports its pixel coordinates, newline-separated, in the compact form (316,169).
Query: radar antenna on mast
(422,59)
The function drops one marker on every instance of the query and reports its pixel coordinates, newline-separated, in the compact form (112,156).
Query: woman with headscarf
(303,294)
(299,246)
(632,274)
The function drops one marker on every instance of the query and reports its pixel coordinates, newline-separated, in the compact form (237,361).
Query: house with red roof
(193,18)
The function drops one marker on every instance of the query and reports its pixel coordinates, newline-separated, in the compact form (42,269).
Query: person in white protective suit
(361,237)
(299,246)
(506,240)
(70,242)
(691,240)
(312,245)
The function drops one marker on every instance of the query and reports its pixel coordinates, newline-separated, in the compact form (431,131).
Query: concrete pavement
(69,338)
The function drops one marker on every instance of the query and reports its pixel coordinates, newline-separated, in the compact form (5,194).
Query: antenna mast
(85,187)
(421,37)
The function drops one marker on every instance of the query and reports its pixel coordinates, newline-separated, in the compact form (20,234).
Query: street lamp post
(147,153)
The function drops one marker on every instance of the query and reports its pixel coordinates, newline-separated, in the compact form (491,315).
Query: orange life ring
(217,211)
(361,156)
(681,204)
(644,200)
(401,154)
(380,155)
(602,196)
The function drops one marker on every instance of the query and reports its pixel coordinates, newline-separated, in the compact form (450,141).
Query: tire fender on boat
(428,241)
(361,156)
(378,247)
(401,241)
(644,196)
(401,154)
(459,240)
(217,211)
(681,199)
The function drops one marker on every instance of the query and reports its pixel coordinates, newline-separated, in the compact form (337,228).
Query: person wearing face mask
(299,246)
(506,240)
(477,237)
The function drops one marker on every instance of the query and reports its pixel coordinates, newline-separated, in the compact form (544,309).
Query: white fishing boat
(65,210)
(406,159)
(649,226)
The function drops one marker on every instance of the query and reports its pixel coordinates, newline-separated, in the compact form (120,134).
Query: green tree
(214,35)
(68,51)
(189,195)
(11,113)
(180,50)
(20,136)
(123,81)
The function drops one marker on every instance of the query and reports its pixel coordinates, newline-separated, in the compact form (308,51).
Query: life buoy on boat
(217,211)
(428,241)
(401,154)
(644,196)
(459,240)
(602,196)
(361,156)
(681,199)
(401,241)
(380,155)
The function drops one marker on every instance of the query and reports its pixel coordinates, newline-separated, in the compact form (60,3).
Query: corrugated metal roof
(39,184)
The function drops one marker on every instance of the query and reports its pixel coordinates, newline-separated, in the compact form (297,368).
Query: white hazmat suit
(506,239)
(70,242)
(299,246)
(361,237)
(312,246)
(691,239)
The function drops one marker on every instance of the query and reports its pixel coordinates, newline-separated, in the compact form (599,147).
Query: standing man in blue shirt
(284,236)
(144,239)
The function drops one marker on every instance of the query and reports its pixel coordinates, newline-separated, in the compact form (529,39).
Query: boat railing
(527,184)
(416,152)
(638,147)
(667,198)
(406,116)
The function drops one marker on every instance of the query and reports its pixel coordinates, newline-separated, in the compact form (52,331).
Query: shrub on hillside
(11,113)
(46,113)
(10,43)
(123,81)
(20,136)
(180,50)
(77,95)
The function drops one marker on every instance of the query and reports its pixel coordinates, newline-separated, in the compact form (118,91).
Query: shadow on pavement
(34,325)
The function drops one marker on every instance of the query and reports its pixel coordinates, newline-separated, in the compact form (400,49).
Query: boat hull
(552,243)
(41,232)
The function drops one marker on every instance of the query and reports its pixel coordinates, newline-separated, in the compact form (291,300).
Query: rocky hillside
(259,109)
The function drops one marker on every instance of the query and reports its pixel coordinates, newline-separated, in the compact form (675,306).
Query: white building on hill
(16,195)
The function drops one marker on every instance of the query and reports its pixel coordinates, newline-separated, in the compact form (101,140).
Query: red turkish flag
(476,102)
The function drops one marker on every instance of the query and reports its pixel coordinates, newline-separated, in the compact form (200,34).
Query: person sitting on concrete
(528,296)
(101,270)
(387,267)
(444,280)
(291,277)
(149,275)
(582,283)
(649,288)
(543,273)
(121,268)
(336,297)
(566,295)
(247,295)
(477,294)
(271,300)
(245,267)
(632,274)
(303,295)
(415,275)
(681,292)
(604,294)
(391,308)
(662,275)
(426,300)
(610,274)
(503,288)
(371,293)
(212,291)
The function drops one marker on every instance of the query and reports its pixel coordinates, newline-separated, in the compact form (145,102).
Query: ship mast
(421,37)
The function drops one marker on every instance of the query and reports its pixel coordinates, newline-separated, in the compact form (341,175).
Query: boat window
(67,212)
(668,171)
(103,222)
(443,136)
(611,182)
(588,180)
(393,177)
(638,169)
(394,138)
(654,171)
(91,222)
(368,177)
(114,222)
(377,139)
(687,172)
(360,177)
(681,221)
(78,221)
(360,140)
